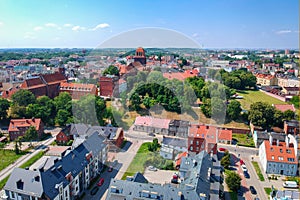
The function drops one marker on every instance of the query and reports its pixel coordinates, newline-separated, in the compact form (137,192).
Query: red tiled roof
(279,153)
(178,158)
(284,107)
(76,86)
(54,78)
(151,121)
(15,124)
(181,76)
(225,135)
(265,76)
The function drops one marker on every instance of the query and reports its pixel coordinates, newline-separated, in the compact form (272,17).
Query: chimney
(271,139)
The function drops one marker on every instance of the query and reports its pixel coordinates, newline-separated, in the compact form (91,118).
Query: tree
(30,134)
(62,100)
(18,145)
(295,100)
(288,115)
(111,70)
(4,106)
(135,101)
(262,114)
(233,181)
(234,109)
(17,111)
(225,161)
(62,117)
(23,98)
(154,145)
(218,109)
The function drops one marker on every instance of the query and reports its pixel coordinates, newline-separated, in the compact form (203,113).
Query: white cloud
(100,26)
(67,25)
(78,28)
(37,28)
(283,32)
(51,25)
(195,35)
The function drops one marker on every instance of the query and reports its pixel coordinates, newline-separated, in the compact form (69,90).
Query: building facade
(18,127)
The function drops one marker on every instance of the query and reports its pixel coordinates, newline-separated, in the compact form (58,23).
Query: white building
(278,157)
(171,146)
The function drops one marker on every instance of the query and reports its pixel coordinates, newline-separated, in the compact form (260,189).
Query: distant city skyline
(230,24)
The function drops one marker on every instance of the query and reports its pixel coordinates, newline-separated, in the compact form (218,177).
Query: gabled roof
(26,182)
(152,122)
(174,141)
(15,124)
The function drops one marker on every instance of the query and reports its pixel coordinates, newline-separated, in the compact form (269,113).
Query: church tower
(140,56)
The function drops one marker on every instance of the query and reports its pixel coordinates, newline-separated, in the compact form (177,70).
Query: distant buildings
(151,125)
(18,127)
(291,127)
(266,80)
(107,85)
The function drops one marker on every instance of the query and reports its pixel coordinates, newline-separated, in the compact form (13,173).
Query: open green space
(252,96)
(137,164)
(268,190)
(243,139)
(7,157)
(32,160)
(258,171)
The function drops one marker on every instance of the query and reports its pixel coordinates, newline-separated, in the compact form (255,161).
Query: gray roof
(174,141)
(197,176)
(293,195)
(265,135)
(54,171)
(120,189)
(24,181)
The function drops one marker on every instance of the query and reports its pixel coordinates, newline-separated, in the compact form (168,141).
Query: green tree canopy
(234,109)
(30,134)
(233,181)
(111,70)
(23,98)
(262,114)
(4,106)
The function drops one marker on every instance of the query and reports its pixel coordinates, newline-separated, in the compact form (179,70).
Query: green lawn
(3,182)
(243,139)
(268,190)
(7,157)
(32,160)
(137,164)
(252,96)
(258,171)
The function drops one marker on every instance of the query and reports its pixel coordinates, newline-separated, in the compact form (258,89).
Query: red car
(222,149)
(101,181)
(242,162)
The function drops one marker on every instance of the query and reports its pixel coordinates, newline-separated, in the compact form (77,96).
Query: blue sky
(211,23)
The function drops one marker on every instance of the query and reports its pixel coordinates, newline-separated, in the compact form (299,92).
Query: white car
(244,168)
(151,168)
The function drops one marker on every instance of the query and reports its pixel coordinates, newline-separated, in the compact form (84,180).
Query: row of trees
(61,110)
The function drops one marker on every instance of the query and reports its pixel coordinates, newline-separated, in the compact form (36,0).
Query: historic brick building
(18,127)
(45,84)
(140,56)
(77,90)
(107,85)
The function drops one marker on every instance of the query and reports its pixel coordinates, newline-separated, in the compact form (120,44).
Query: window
(280,158)
(191,141)
(191,148)
(291,159)
(197,142)
(288,151)
(12,195)
(272,149)
(280,150)
(272,157)
(197,148)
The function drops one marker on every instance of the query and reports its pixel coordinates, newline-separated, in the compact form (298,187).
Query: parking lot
(159,176)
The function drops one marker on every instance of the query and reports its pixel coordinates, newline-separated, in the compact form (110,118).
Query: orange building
(18,127)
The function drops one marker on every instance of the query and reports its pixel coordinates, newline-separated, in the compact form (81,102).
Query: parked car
(151,168)
(290,184)
(101,181)
(246,174)
(244,168)
(242,162)
(252,190)
(151,134)
(110,169)
(94,190)
(174,181)
(222,149)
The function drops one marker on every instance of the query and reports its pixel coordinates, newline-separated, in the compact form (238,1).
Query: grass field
(258,171)
(32,160)
(243,140)
(7,157)
(252,96)
(137,164)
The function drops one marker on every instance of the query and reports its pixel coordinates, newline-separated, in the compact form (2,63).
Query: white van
(290,184)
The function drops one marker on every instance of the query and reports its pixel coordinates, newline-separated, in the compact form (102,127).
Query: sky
(270,24)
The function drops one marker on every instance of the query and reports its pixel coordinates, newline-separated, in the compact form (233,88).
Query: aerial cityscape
(137,100)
